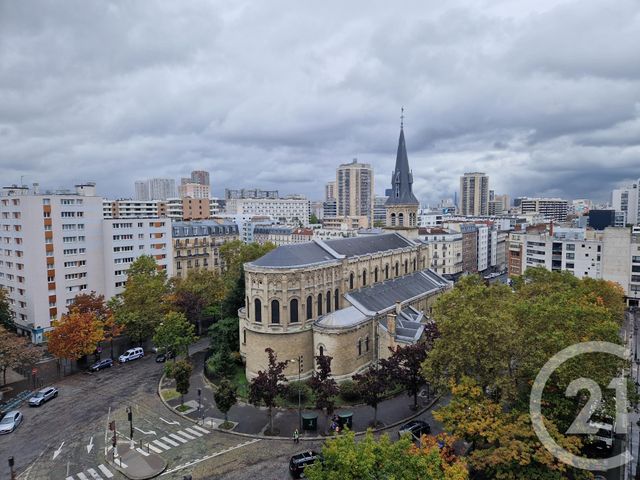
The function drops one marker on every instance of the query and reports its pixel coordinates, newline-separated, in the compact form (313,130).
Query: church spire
(402,179)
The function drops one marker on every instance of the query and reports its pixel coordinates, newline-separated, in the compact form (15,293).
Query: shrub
(291,394)
(349,391)
(236,358)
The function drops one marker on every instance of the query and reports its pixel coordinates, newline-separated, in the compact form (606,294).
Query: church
(350,298)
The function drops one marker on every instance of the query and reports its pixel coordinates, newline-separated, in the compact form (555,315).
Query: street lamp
(130,418)
(299,360)
(13,473)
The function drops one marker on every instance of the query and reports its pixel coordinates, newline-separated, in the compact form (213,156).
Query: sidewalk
(253,421)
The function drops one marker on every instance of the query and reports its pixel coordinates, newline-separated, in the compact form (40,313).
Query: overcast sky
(543,96)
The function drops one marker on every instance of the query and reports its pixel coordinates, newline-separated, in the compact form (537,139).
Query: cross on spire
(401,117)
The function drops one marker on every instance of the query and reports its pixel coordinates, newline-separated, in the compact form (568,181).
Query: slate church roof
(402,178)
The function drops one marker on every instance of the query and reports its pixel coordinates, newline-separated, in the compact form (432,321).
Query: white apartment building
(550,208)
(161,188)
(627,200)
(288,211)
(51,250)
(430,218)
(445,250)
(483,247)
(124,240)
(127,208)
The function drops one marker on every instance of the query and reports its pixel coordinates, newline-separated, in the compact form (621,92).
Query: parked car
(43,396)
(164,356)
(10,421)
(101,364)
(131,354)
(300,461)
(417,428)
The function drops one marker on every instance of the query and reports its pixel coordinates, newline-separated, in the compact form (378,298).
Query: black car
(300,461)
(163,357)
(417,428)
(101,364)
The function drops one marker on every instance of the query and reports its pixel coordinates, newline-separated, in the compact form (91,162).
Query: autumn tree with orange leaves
(75,335)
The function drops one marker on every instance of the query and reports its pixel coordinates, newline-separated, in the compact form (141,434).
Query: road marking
(146,454)
(170,442)
(69,478)
(203,430)
(90,446)
(82,476)
(194,462)
(154,448)
(185,435)
(150,432)
(57,452)
(94,474)
(194,432)
(173,422)
(161,445)
(177,437)
(105,471)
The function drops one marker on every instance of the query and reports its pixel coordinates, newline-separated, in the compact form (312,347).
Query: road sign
(34,371)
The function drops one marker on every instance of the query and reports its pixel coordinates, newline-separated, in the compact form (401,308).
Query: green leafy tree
(344,458)
(371,386)
(15,351)
(225,333)
(174,334)
(220,363)
(143,302)
(313,219)
(6,314)
(225,397)
(324,385)
(267,385)
(181,371)
(193,295)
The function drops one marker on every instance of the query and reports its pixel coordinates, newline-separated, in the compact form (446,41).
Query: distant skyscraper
(354,190)
(200,176)
(162,188)
(474,194)
(142,190)
(627,200)
(330,190)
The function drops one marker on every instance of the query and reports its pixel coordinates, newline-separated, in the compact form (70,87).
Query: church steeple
(402,205)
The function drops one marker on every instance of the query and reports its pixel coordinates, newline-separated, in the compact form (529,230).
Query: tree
(323,385)
(112,329)
(6,314)
(144,298)
(174,334)
(220,363)
(267,385)
(193,295)
(346,459)
(371,386)
(313,219)
(225,397)
(94,303)
(181,371)
(506,446)
(405,366)
(225,332)
(15,351)
(75,335)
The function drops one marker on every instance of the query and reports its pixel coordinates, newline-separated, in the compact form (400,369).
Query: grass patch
(169,394)
(182,408)
(226,425)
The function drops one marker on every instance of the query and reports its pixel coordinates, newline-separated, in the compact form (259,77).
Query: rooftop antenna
(401,117)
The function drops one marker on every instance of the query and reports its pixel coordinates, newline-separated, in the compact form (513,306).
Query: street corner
(136,463)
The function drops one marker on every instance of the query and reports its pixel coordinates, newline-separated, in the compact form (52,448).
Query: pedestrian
(296,436)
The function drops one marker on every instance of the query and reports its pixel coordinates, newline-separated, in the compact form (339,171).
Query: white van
(131,354)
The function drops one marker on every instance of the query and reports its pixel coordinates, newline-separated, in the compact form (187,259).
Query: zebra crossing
(158,445)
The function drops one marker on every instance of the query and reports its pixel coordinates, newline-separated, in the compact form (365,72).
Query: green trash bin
(345,419)
(309,421)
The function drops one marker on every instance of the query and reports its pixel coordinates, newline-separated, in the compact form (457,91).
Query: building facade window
(319,304)
(351,281)
(336,299)
(375,275)
(275,311)
(257,310)
(328,300)
(309,307)
(293,307)
(397,269)
(359,346)
(386,272)
(366,343)
(364,278)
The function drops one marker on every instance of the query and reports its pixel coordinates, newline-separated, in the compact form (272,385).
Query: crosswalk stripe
(105,471)
(195,432)
(82,476)
(170,442)
(154,448)
(142,452)
(161,445)
(94,474)
(203,430)
(69,478)
(185,435)
(180,439)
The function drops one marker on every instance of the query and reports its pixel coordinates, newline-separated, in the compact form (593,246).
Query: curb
(267,437)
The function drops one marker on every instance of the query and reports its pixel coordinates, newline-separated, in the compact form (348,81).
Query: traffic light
(300,364)
(112,425)
(129,415)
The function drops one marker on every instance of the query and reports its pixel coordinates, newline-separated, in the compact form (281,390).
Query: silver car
(10,422)
(43,396)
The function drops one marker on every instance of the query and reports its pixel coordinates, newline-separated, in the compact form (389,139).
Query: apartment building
(127,208)
(50,251)
(345,223)
(354,190)
(474,194)
(196,244)
(126,239)
(445,250)
(550,208)
(250,193)
(281,235)
(194,190)
(287,211)
(627,200)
